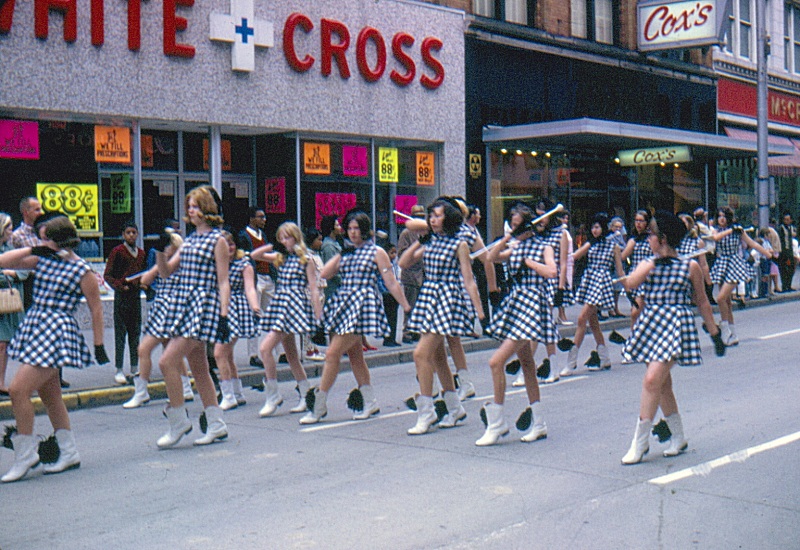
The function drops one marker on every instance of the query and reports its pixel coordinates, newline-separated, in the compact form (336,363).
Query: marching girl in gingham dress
(197,315)
(665,332)
(594,292)
(446,306)
(355,309)
(525,319)
(730,268)
(48,338)
(155,331)
(290,312)
(554,234)
(638,249)
(691,243)
(242,311)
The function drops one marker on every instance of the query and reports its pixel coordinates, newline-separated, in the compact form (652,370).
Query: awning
(783,165)
(607,137)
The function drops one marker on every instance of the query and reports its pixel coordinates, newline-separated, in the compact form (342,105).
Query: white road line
(740,456)
(779,334)
(320,427)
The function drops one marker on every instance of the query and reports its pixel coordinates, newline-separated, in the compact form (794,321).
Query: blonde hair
(207,203)
(688,221)
(239,254)
(5,221)
(292,230)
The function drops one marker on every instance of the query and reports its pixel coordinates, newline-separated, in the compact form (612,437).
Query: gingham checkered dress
(290,309)
(194,309)
(553,238)
(357,306)
(443,305)
(49,335)
(157,312)
(688,245)
(666,330)
(525,313)
(596,286)
(468,234)
(641,251)
(241,319)
(729,266)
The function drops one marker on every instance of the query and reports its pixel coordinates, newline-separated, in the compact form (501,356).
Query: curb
(250,376)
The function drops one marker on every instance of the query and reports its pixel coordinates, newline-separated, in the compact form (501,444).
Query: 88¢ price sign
(79,201)
(389,167)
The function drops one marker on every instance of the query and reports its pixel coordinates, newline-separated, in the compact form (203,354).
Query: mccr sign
(665,25)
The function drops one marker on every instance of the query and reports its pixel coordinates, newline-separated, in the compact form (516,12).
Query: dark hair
(727,212)
(61,231)
(453,217)
(364,223)
(327,224)
(670,227)
(602,219)
(522,209)
(128,224)
(388,245)
(45,219)
(310,235)
(646,215)
(471,209)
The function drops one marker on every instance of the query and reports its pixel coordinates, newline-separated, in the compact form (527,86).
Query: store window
(593,19)
(578,15)
(739,37)
(791,37)
(514,11)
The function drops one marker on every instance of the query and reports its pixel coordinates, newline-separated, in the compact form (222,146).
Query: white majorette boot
(553,377)
(369,405)
(466,388)
(140,394)
(537,429)
(228,401)
(426,416)
(238,391)
(455,411)
(725,331)
(605,360)
(640,444)
(26,457)
(732,340)
(496,426)
(273,398)
(68,458)
(188,394)
(677,443)
(302,390)
(179,425)
(217,429)
(317,403)
(572,362)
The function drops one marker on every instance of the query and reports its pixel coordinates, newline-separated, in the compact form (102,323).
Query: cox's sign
(668,24)
(641,157)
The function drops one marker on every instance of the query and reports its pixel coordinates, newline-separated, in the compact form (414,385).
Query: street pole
(763,131)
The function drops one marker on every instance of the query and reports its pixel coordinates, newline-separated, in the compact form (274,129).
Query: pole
(763,131)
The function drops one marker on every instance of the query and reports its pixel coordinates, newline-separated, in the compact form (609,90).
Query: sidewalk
(94,386)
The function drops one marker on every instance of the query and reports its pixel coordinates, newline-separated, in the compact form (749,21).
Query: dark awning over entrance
(607,137)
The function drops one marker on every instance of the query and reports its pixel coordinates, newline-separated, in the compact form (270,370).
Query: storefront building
(590,122)
(111,111)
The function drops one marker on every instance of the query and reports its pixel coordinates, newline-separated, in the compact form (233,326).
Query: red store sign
(739,98)
(334,40)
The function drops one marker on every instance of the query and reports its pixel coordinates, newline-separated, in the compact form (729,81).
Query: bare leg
(272,339)
(339,344)
(198,362)
(724,301)
(427,355)
(594,324)
(497,364)
(50,394)
(290,347)
(525,354)
(27,380)
(653,387)
(146,347)
(358,365)
(3,365)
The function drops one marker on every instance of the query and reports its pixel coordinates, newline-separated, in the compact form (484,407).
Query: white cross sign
(245,31)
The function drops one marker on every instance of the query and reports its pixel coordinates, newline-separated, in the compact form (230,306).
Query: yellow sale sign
(389,169)
(79,201)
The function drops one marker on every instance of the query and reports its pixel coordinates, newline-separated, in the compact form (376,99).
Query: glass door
(159,204)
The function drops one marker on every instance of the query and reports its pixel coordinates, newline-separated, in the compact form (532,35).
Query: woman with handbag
(10,300)
(49,338)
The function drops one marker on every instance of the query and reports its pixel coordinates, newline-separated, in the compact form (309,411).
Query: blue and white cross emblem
(245,31)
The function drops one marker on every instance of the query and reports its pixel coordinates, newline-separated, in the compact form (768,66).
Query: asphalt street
(347,484)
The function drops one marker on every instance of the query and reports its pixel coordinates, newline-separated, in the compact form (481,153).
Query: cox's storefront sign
(665,24)
(658,155)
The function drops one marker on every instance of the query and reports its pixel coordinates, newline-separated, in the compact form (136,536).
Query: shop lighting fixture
(534,153)
(663,164)
(504,151)
(547,154)
(616,159)
(675,165)
(519,151)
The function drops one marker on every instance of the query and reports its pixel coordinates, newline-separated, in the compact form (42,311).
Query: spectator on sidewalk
(786,261)
(11,278)
(414,274)
(390,305)
(126,259)
(250,238)
(331,232)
